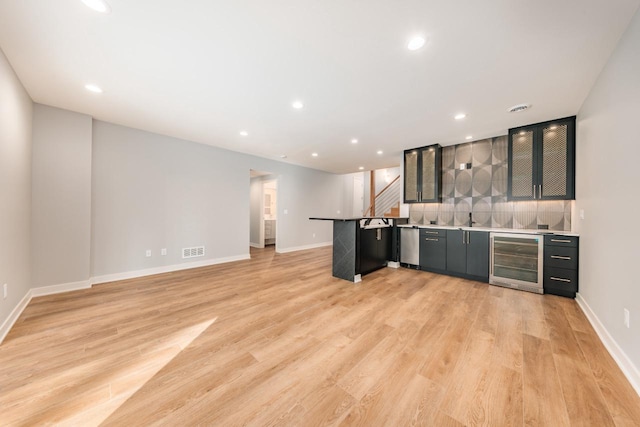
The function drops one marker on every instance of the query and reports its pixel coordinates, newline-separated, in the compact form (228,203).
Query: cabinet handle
(468,237)
(378,234)
(539,191)
(561,240)
(431,232)
(568,258)
(432,240)
(558,279)
(420,195)
(463,239)
(534,191)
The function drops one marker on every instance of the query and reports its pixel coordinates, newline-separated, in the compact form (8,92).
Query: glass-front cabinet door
(422,169)
(555,181)
(522,170)
(411,176)
(542,161)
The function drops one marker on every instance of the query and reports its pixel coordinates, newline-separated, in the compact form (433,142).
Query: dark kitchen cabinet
(422,175)
(375,248)
(433,249)
(542,161)
(561,265)
(468,254)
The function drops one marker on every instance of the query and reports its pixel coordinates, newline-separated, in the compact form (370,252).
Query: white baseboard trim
(165,269)
(626,365)
(304,248)
(57,289)
(256,245)
(13,317)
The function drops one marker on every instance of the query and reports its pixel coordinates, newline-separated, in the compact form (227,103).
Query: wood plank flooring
(276,340)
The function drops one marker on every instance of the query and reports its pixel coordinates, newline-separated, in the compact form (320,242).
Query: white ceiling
(203,70)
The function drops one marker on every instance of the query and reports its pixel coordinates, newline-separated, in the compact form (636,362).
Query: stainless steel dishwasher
(410,246)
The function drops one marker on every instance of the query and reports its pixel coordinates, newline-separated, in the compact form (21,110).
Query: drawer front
(432,232)
(560,278)
(569,241)
(557,256)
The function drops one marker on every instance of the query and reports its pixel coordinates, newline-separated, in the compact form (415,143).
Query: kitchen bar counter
(362,244)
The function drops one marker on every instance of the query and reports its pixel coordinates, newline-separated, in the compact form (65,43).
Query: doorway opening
(263,208)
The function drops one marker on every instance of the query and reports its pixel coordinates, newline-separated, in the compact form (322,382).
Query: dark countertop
(357,218)
(492,229)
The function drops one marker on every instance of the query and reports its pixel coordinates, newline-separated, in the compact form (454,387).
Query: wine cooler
(516,261)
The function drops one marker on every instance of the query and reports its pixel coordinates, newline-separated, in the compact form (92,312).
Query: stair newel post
(372,191)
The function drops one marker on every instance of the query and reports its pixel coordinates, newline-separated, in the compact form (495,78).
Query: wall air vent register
(193,252)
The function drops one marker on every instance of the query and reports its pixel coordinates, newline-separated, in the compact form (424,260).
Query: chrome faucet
(471,221)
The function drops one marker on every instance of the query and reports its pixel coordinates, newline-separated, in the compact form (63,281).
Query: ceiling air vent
(193,252)
(518,108)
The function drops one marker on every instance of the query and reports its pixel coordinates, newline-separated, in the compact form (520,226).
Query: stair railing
(386,199)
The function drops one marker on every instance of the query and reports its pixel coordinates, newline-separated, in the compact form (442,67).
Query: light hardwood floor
(277,341)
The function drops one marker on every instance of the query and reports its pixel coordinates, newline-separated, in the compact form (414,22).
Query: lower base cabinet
(375,248)
(561,265)
(468,254)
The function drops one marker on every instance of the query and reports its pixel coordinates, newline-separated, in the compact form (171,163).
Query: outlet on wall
(148,253)
(163,251)
(314,235)
(626,318)
(5,291)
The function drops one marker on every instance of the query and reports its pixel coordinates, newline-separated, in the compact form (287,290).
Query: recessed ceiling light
(379,151)
(518,108)
(415,43)
(98,5)
(354,141)
(244,133)
(469,137)
(298,105)
(361,168)
(314,154)
(283,156)
(460,116)
(93,88)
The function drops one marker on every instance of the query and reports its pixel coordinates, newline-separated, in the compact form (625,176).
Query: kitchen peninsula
(362,245)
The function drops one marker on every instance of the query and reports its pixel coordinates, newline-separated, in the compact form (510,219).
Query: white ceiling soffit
(206,70)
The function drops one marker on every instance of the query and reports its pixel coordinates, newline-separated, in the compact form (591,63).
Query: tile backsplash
(483,191)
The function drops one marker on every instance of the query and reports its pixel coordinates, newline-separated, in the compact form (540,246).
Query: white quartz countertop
(489,229)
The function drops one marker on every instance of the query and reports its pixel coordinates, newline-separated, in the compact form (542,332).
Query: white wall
(15,189)
(61,197)
(151,192)
(607,179)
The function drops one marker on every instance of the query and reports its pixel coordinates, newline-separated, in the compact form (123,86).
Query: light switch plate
(581,213)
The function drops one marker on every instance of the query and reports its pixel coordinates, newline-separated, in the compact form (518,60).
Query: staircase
(387,201)
(394,211)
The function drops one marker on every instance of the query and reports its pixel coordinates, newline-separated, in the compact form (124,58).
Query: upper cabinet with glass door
(422,168)
(542,161)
